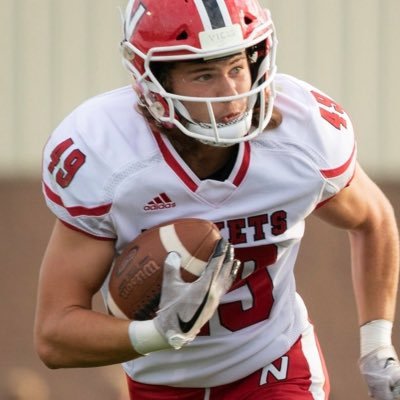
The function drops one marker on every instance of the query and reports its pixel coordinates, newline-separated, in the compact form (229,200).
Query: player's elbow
(47,359)
(46,349)
(45,354)
(380,219)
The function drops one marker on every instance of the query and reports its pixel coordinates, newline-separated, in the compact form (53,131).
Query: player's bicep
(73,269)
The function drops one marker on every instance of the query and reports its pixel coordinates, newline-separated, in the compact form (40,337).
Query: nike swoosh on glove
(381,371)
(186,307)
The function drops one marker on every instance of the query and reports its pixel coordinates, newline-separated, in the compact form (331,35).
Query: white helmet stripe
(225,13)
(213,14)
(132,19)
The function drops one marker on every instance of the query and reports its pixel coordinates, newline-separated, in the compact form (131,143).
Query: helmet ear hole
(248,20)
(182,36)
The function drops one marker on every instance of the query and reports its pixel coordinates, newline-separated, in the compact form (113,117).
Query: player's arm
(368,216)
(68,333)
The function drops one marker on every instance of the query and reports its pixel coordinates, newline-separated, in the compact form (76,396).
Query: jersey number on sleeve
(333,111)
(70,165)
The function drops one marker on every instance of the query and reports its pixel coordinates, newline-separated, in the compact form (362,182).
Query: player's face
(226,77)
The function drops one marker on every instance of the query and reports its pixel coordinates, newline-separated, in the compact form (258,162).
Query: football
(136,276)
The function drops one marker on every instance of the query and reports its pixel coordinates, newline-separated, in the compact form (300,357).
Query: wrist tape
(375,334)
(145,337)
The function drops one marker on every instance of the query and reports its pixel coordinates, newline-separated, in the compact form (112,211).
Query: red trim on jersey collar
(244,165)
(334,172)
(176,167)
(77,211)
(190,183)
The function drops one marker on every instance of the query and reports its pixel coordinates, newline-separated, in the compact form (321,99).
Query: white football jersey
(105,173)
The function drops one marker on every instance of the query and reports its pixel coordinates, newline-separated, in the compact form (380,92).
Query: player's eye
(237,70)
(203,77)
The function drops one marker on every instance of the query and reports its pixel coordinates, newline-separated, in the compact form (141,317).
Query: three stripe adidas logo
(160,202)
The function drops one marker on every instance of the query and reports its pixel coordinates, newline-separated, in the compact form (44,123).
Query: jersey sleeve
(331,142)
(76,174)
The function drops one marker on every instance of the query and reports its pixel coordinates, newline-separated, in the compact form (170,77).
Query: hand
(381,370)
(186,307)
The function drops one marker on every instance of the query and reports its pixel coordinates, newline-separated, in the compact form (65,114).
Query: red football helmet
(176,30)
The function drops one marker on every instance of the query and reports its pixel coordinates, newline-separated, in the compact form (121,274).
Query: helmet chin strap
(236,129)
(213,131)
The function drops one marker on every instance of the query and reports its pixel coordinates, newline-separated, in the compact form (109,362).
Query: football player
(212,130)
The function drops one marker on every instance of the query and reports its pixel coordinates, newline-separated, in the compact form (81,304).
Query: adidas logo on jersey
(160,202)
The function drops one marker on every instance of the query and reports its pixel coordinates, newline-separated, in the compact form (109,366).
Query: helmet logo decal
(213,13)
(222,37)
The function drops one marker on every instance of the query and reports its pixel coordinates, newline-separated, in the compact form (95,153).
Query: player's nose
(227,86)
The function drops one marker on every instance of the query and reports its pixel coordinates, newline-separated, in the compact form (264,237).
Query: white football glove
(185,307)
(381,371)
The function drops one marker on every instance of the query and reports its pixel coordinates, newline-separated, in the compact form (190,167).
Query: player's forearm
(83,338)
(375,266)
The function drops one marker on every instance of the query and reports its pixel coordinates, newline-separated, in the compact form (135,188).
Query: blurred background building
(57,53)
